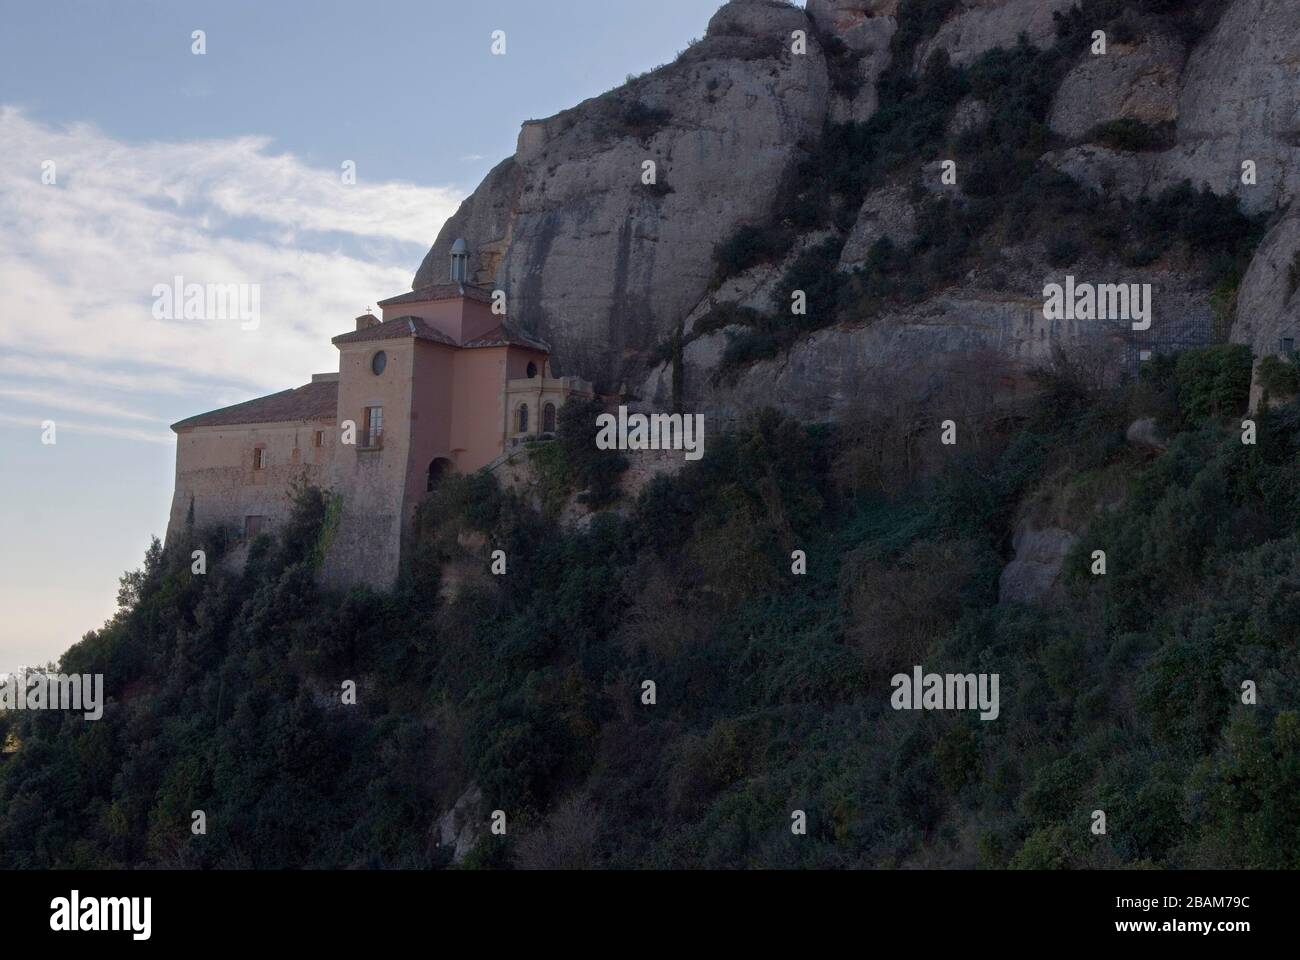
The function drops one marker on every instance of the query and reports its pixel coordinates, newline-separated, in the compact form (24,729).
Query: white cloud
(79,259)
(161,435)
(62,400)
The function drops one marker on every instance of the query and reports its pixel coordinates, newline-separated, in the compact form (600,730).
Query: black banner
(972,909)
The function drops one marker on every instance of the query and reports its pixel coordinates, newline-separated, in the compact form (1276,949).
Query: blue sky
(225,168)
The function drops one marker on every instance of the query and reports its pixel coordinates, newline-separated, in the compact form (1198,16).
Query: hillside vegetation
(772,688)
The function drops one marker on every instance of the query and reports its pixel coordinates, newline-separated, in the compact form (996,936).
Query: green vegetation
(772,689)
(641,120)
(573,464)
(1132,135)
(1280,379)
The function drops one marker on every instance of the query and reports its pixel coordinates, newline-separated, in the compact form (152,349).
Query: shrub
(1213,381)
(1279,378)
(1131,135)
(1062,251)
(725,315)
(593,470)
(641,120)
(749,246)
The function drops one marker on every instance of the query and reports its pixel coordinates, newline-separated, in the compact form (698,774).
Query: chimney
(366,320)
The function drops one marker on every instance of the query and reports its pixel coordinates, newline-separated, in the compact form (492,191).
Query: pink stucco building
(441,383)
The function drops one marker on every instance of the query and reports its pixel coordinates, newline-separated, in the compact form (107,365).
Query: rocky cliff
(790,141)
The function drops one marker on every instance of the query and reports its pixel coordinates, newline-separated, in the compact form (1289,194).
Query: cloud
(79,260)
(73,401)
(99,429)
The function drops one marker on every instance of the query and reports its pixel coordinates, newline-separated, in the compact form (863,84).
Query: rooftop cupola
(460,262)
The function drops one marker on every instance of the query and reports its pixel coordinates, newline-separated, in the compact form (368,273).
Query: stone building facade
(440,383)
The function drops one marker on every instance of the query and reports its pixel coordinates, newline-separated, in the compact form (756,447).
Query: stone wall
(215,471)
(371,483)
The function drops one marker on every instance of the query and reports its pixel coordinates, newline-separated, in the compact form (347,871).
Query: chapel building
(441,382)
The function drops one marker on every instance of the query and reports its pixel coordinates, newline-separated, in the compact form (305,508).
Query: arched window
(523,418)
(548,418)
(532,370)
(439,467)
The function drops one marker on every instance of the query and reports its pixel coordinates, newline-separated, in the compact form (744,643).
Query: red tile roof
(503,335)
(313,401)
(395,328)
(441,291)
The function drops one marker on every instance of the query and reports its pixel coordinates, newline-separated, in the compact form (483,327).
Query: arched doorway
(438,469)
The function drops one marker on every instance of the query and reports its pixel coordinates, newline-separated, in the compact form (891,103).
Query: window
(378,362)
(532,370)
(548,418)
(1288,345)
(374,426)
(253,526)
(523,418)
(259,458)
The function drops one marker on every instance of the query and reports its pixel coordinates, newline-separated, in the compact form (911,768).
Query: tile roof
(502,335)
(397,327)
(312,401)
(441,291)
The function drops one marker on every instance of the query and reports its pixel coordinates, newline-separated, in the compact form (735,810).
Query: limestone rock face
(1268,308)
(754,288)
(458,829)
(995,329)
(1143,433)
(982,25)
(1240,100)
(606,267)
(850,18)
(886,212)
(594,260)
(1137,81)
(866,28)
(1031,577)
(1113,172)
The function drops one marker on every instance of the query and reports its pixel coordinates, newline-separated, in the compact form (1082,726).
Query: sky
(128,160)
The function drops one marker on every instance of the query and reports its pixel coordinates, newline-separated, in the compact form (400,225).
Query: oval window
(532,370)
(378,362)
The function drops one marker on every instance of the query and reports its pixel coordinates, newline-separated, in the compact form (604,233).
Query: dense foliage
(772,689)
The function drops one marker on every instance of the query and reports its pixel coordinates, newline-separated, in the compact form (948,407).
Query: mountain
(779,170)
(624,666)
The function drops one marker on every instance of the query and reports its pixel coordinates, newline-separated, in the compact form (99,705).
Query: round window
(378,362)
